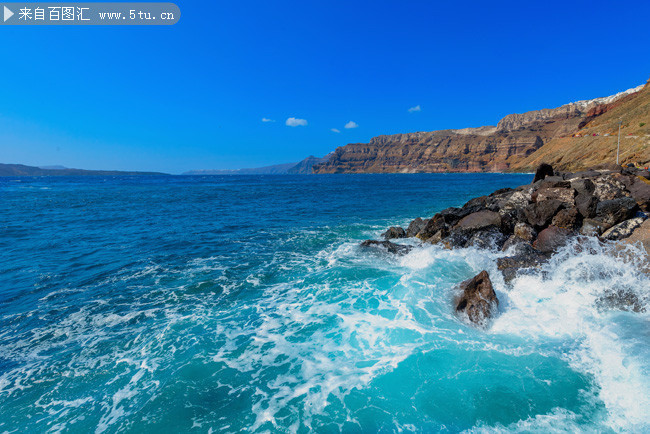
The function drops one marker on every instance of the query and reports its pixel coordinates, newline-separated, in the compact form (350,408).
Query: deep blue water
(219,304)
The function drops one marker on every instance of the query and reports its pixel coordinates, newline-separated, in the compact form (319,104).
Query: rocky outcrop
(388,246)
(394,232)
(477,300)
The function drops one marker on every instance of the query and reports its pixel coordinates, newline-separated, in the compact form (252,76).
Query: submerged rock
(621,299)
(394,232)
(478,300)
(398,249)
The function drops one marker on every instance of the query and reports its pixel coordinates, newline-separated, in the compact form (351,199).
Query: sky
(252,83)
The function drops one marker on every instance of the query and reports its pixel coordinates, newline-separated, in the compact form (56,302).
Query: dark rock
(609,167)
(478,299)
(586,205)
(612,212)
(568,218)
(640,191)
(620,299)
(479,220)
(524,256)
(416,226)
(583,186)
(387,245)
(542,172)
(525,232)
(512,241)
(592,228)
(643,174)
(551,239)
(584,174)
(623,229)
(540,214)
(487,239)
(394,232)
(443,220)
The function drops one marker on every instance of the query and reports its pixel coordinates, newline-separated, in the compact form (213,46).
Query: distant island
(301,168)
(22,170)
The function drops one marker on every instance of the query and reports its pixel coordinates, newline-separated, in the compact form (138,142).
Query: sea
(219,304)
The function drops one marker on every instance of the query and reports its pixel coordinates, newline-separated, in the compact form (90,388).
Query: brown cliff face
(518,143)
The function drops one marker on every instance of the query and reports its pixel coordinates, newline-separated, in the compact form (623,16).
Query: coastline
(532,222)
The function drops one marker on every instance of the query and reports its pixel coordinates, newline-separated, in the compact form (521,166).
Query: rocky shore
(531,222)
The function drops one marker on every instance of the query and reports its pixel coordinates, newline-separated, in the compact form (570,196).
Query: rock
(640,190)
(436,238)
(582,175)
(542,172)
(563,194)
(441,221)
(524,256)
(620,299)
(612,212)
(416,226)
(540,214)
(643,174)
(608,188)
(487,239)
(567,218)
(394,232)
(512,241)
(583,186)
(518,199)
(609,167)
(592,228)
(387,245)
(551,239)
(586,204)
(478,299)
(479,220)
(623,229)
(641,235)
(525,232)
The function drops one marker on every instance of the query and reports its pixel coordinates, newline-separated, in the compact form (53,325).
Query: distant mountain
(302,167)
(22,170)
(306,165)
(55,167)
(278,169)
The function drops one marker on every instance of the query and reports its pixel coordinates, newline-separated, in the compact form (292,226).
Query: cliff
(519,142)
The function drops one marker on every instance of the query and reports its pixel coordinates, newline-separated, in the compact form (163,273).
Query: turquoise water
(220,304)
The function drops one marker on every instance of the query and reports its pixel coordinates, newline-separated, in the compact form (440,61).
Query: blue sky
(193,95)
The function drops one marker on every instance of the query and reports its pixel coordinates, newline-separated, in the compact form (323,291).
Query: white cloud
(351,124)
(267,120)
(335,130)
(417,108)
(294,122)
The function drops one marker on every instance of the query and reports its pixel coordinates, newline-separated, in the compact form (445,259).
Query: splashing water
(222,304)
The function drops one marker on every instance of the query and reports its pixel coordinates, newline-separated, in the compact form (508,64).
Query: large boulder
(568,218)
(443,220)
(388,246)
(542,172)
(641,235)
(612,212)
(479,220)
(394,232)
(478,300)
(592,228)
(416,226)
(586,204)
(623,229)
(540,214)
(639,189)
(551,239)
(608,188)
